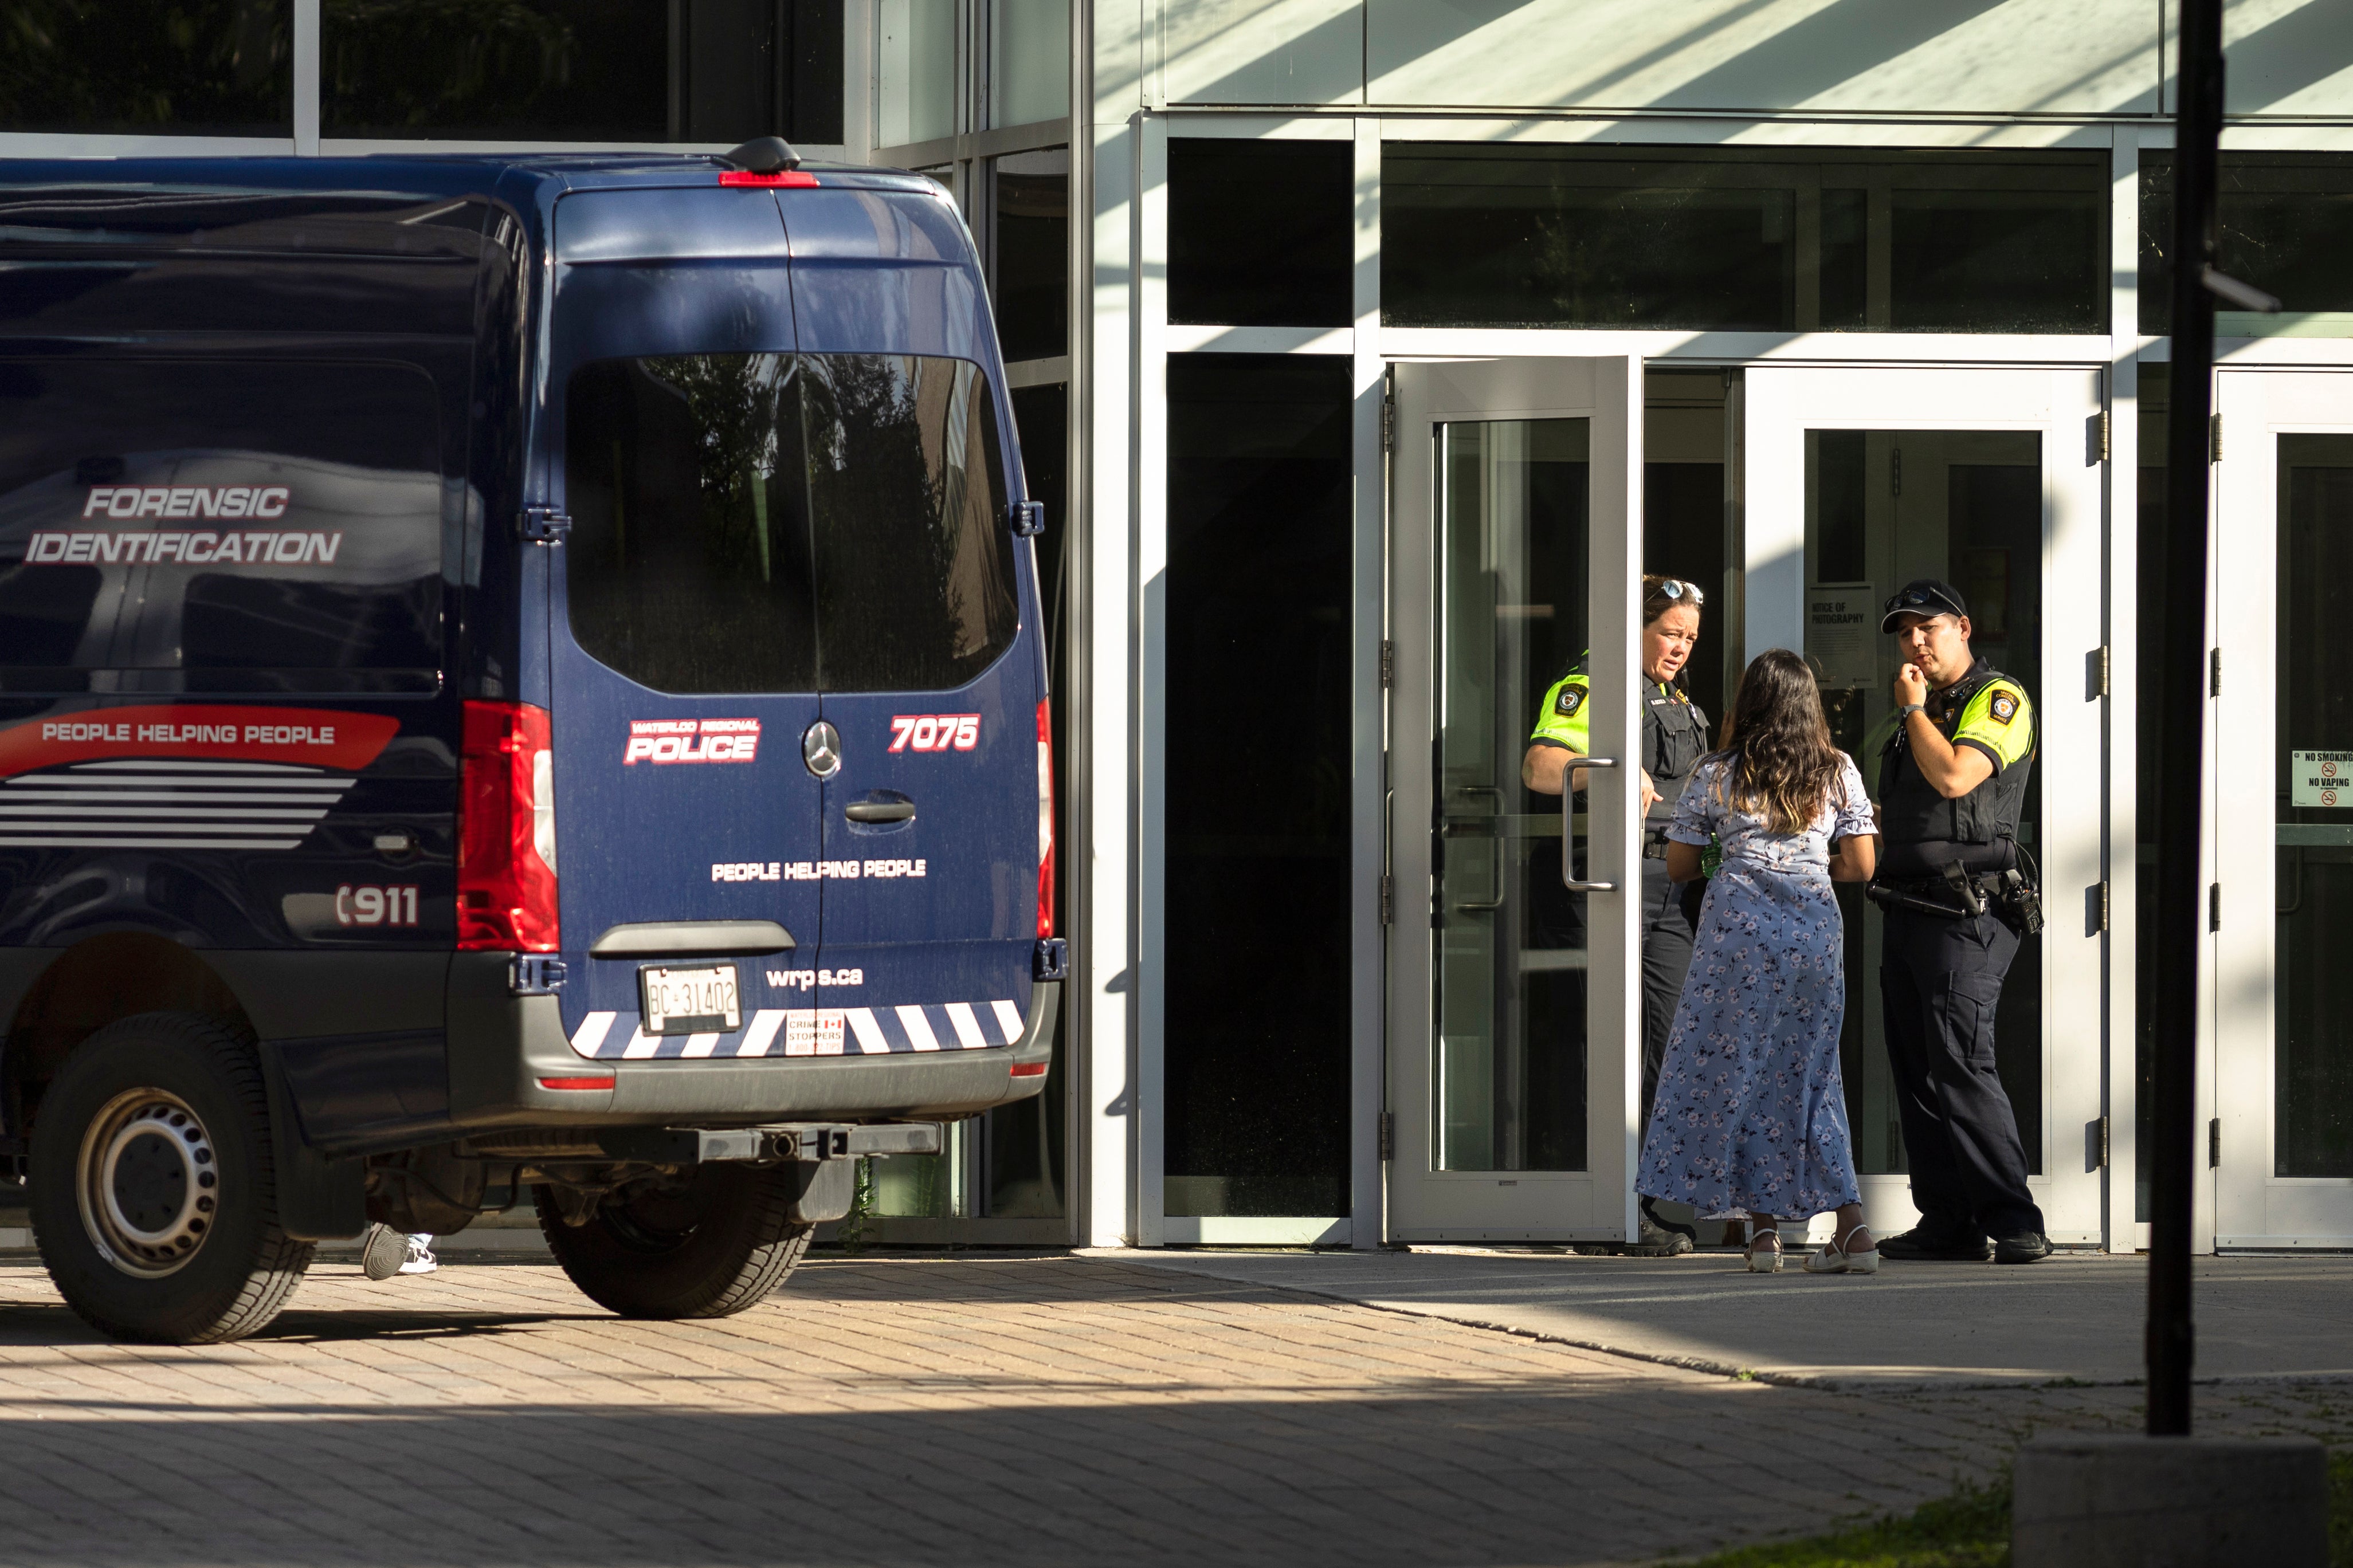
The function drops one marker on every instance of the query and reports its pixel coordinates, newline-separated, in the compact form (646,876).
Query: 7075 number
(935,732)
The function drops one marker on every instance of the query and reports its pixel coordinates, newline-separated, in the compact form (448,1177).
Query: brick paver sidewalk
(966,1410)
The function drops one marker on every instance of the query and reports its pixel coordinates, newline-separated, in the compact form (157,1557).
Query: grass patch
(1971,1529)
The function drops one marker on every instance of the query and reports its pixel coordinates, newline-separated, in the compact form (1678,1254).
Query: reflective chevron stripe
(811,1031)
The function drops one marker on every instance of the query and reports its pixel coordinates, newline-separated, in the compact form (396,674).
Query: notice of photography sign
(1842,633)
(2321,778)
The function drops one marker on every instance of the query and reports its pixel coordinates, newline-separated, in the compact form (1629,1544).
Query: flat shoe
(1766,1260)
(1829,1260)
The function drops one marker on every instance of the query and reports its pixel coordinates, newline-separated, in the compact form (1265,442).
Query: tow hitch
(824,1155)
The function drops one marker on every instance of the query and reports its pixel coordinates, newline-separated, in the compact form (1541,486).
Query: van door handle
(880,811)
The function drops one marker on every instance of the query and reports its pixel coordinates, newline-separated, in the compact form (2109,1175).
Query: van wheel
(707,1246)
(153,1194)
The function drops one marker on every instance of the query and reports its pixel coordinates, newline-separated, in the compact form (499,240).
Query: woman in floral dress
(1750,1120)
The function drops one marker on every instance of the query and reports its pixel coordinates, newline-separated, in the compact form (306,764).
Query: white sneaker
(420,1259)
(381,1252)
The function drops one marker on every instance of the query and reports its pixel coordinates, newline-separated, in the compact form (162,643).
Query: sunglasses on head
(1682,592)
(1919,599)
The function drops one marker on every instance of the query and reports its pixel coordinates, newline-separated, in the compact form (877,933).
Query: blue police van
(520,684)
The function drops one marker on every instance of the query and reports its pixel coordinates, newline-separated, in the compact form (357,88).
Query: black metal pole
(2181,696)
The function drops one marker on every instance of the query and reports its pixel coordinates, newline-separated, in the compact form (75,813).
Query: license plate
(689,1001)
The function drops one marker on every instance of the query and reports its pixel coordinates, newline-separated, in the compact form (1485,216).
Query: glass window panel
(1511,940)
(920,1186)
(811,49)
(1683,509)
(219,526)
(914,562)
(1025,1156)
(1846,260)
(1998,260)
(1033,254)
(155,67)
(1883,507)
(915,70)
(1261,233)
(773,522)
(701,71)
(2286,225)
(1029,77)
(2312,1071)
(1475,236)
(1518,236)
(687,568)
(1258,583)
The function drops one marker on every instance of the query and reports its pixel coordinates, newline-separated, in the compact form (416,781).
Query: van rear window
(217,525)
(788,522)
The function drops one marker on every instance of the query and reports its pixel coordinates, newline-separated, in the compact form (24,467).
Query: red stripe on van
(306,737)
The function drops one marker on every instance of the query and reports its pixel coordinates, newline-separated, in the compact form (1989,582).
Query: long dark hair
(1780,764)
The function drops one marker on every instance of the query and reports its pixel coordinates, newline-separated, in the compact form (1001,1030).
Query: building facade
(1365,351)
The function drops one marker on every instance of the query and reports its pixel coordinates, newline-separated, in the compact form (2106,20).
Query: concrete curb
(2086,1501)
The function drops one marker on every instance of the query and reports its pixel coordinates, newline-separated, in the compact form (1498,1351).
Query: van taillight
(1045,821)
(789,178)
(506,830)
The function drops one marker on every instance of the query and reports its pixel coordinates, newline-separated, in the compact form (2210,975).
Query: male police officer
(1952,780)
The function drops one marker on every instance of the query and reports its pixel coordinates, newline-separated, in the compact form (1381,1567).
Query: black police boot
(1923,1245)
(1653,1222)
(2027,1246)
(1655,1239)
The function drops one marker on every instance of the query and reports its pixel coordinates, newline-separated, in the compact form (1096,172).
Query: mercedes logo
(821,749)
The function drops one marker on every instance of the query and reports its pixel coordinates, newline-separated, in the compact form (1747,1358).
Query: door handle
(1568,832)
(1484,906)
(880,811)
(1497,902)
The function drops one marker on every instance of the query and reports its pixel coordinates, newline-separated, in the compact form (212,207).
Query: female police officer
(1675,737)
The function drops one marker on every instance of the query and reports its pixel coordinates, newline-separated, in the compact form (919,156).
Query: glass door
(1513,951)
(2281,1138)
(1858,482)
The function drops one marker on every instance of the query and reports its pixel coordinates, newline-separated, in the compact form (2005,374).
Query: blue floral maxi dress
(1751,1116)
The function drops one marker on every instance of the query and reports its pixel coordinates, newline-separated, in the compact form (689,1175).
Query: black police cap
(1923,597)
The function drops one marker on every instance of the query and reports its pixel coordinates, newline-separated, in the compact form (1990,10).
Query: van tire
(635,1256)
(181,1094)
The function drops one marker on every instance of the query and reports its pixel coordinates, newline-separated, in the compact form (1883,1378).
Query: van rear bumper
(500,1045)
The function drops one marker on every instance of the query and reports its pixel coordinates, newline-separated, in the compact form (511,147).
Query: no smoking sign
(2319,778)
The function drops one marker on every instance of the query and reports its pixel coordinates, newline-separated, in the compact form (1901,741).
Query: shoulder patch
(2003,707)
(1570,699)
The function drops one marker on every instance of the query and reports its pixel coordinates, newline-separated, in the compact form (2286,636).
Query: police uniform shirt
(1674,731)
(1988,713)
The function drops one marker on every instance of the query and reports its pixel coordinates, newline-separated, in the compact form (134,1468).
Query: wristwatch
(1908,709)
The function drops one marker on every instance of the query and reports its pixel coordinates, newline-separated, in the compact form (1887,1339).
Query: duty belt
(1654,843)
(1962,895)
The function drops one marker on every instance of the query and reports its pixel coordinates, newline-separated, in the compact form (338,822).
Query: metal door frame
(1597,1203)
(2087,1187)
(2249,1206)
